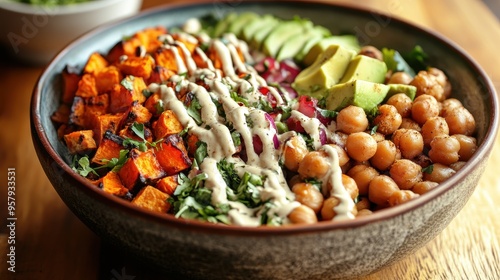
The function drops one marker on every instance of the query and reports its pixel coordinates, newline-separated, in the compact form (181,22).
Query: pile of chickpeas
(417,145)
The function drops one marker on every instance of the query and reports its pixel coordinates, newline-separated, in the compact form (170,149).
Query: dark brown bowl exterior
(321,251)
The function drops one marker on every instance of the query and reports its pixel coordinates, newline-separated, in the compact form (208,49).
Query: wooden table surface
(51,243)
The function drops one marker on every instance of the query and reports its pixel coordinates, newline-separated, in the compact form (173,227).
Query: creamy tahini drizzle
(215,133)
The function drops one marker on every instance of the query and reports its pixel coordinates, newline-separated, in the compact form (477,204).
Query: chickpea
(400,78)
(408,123)
(350,186)
(424,107)
(378,136)
(380,189)
(302,215)
(401,196)
(406,173)
(294,152)
(364,212)
(361,146)
(402,103)
(328,211)
(439,173)
(428,84)
(423,187)
(339,138)
(444,149)
(410,142)
(461,121)
(343,157)
(294,180)
(448,105)
(363,175)
(308,195)
(442,80)
(385,155)
(363,203)
(352,119)
(372,52)
(388,119)
(457,165)
(468,146)
(314,165)
(433,127)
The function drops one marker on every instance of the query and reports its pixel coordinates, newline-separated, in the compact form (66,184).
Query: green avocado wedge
(293,46)
(347,41)
(240,22)
(282,33)
(255,25)
(366,95)
(365,68)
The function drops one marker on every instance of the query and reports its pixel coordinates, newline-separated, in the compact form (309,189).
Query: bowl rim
(126,207)
(69,9)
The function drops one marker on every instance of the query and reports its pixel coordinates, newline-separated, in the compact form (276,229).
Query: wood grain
(51,243)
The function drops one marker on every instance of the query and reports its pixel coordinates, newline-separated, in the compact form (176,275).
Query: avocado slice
(409,90)
(325,72)
(262,34)
(365,68)
(255,25)
(347,41)
(223,24)
(293,46)
(366,95)
(299,57)
(282,33)
(240,22)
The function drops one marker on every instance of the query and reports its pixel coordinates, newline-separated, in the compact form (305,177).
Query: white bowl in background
(35,34)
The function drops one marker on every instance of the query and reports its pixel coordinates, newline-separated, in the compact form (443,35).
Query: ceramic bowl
(35,34)
(191,249)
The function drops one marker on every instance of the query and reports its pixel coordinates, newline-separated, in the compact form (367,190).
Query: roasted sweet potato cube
(127,132)
(107,78)
(152,104)
(77,114)
(168,184)
(95,63)
(65,129)
(87,86)
(149,37)
(136,114)
(102,123)
(70,79)
(112,184)
(142,168)
(190,42)
(80,142)
(115,53)
(152,199)
(123,95)
(108,149)
(137,66)
(167,124)
(172,155)
(167,57)
(97,105)
(160,75)
(61,115)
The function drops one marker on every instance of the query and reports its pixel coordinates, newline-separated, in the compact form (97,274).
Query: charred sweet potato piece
(136,114)
(168,184)
(172,155)
(137,66)
(80,142)
(167,124)
(123,95)
(108,149)
(77,114)
(102,123)
(95,63)
(149,37)
(96,105)
(116,52)
(64,129)
(112,184)
(107,78)
(87,86)
(160,75)
(142,168)
(61,116)
(152,199)
(70,79)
